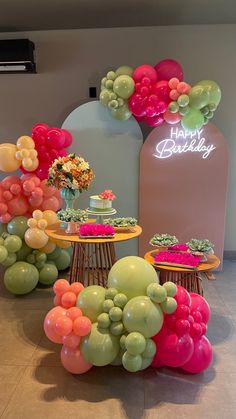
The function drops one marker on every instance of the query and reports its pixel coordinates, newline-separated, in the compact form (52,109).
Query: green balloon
(39,265)
(48,274)
(3,228)
(117,328)
(21,278)
(213,90)
(18,225)
(157,293)
(118,359)
(103,320)
(31,258)
(131,275)
(135,343)
(150,349)
(100,347)
(173,107)
(183,100)
(124,70)
(205,110)
(169,306)
(41,257)
(1,241)
(103,81)
(113,96)
(122,113)
(107,305)
(91,300)
(115,314)
(55,254)
(146,362)
(198,97)
(110,293)
(105,97)
(23,252)
(113,104)
(13,243)
(122,341)
(109,84)
(131,363)
(10,260)
(170,288)
(51,262)
(210,115)
(111,75)
(142,315)
(184,110)
(63,261)
(3,253)
(212,106)
(120,300)
(193,120)
(124,86)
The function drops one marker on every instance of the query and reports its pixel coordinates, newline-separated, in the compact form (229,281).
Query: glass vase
(69,196)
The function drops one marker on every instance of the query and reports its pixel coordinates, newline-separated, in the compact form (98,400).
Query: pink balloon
(63,326)
(28,186)
(196,331)
(155,121)
(8,181)
(39,133)
(173,351)
(68,138)
(61,286)
(5,218)
(183,87)
(73,361)
(146,71)
(68,299)
(201,357)
(162,90)
(174,94)
(182,312)
(47,190)
(15,189)
(76,287)
(182,327)
(18,206)
(169,322)
(57,300)
(55,138)
(71,341)
(54,154)
(172,118)
(150,111)
(173,83)
(82,326)
(35,201)
(62,152)
(198,303)
(74,312)
(182,296)
(42,151)
(7,195)
(137,105)
(37,192)
(167,69)
(3,208)
(50,321)
(51,203)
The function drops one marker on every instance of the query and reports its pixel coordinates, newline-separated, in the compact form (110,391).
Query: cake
(99,204)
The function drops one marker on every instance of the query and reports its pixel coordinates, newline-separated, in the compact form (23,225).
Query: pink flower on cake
(107,194)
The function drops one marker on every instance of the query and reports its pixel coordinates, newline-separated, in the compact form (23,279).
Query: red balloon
(162,90)
(137,105)
(146,71)
(154,121)
(55,138)
(182,296)
(167,69)
(68,138)
(39,133)
(182,327)
(42,171)
(201,356)
(198,303)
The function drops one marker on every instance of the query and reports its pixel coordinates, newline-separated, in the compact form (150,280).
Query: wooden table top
(56,232)
(212,263)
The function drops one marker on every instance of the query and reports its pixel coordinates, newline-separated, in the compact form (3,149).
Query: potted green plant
(200,247)
(163,241)
(72,217)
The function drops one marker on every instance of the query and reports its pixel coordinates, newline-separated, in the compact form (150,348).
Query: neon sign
(182,141)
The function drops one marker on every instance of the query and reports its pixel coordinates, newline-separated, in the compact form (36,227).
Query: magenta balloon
(68,138)
(145,70)
(162,90)
(198,303)
(39,133)
(137,105)
(62,152)
(201,357)
(182,296)
(54,154)
(172,350)
(55,138)
(155,121)
(42,171)
(167,69)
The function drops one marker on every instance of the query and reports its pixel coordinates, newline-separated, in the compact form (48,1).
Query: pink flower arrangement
(107,194)
(96,230)
(179,247)
(178,258)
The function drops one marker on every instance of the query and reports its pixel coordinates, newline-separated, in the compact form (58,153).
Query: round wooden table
(188,278)
(92,258)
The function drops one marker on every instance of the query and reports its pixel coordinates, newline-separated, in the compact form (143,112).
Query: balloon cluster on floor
(36,153)
(158,94)
(135,322)
(29,255)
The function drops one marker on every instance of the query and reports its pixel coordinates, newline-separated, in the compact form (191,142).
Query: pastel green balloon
(109,84)
(213,90)
(118,359)
(63,261)
(120,300)
(21,278)
(3,253)
(212,106)
(131,363)
(198,97)
(150,349)
(170,288)
(13,243)
(146,362)
(124,70)
(107,305)
(205,110)
(193,120)
(31,258)
(11,258)
(100,347)
(169,306)
(113,104)
(142,315)
(18,225)
(157,293)
(122,341)
(117,328)
(105,97)
(48,274)
(103,81)
(91,300)
(210,115)
(40,265)
(55,254)
(41,257)
(110,293)
(124,86)
(173,107)
(131,275)
(23,252)
(115,314)
(183,100)
(135,343)
(122,113)
(184,110)
(1,241)
(111,75)
(103,320)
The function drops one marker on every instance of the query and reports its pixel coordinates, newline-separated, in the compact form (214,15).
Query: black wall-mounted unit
(17,56)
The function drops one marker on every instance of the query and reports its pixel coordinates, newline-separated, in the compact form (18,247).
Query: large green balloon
(123,113)
(91,300)
(131,275)
(3,253)
(48,274)
(13,243)
(124,70)
(124,86)
(193,120)
(198,97)
(213,90)
(21,278)
(18,225)
(63,261)
(99,347)
(23,252)
(142,315)
(55,254)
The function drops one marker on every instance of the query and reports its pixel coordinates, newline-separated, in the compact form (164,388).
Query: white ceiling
(22,15)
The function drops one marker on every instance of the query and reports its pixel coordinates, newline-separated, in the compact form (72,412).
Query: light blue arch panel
(112,148)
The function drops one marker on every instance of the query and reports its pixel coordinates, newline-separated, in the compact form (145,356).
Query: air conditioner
(17,56)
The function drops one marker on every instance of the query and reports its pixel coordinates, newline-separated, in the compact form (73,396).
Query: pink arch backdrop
(183,185)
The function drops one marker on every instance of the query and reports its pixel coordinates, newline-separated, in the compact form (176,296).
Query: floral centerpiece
(200,246)
(163,240)
(96,230)
(72,175)
(72,215)
(121,222)
(107,194)
(177,259)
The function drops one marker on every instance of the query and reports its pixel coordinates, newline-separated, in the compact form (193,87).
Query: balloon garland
(158,94)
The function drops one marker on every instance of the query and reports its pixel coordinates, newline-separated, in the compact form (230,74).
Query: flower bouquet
(163,241)
(96,231)
(200,248)
(184,260)
(121,223)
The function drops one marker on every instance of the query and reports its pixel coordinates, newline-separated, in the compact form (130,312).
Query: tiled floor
(34,385)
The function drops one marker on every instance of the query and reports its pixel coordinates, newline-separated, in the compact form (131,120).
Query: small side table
(188,278)
(92,256)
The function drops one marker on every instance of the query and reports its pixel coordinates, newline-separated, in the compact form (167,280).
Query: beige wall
(68,62)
